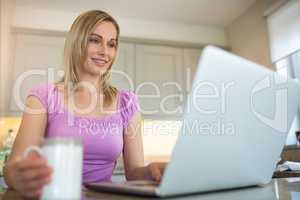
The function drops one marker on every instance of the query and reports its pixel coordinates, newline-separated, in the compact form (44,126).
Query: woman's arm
(28,175)
(133,154)
(32,128)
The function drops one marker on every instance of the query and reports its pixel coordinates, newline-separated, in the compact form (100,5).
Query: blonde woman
(86,106)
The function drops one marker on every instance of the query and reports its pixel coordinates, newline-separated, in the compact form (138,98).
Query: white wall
(248,35)
(6,13)
(134,28)
(1,74)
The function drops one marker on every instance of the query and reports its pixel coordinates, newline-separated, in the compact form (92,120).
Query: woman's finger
(37,184)
(155,172)
(36,174)
(28,163)
(32,193)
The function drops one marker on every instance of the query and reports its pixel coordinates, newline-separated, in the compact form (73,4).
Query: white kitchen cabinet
(190,59)
(157,73)
(37,59)
(123,70)
(159,81)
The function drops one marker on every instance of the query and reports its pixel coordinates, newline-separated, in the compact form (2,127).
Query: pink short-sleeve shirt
(102,137)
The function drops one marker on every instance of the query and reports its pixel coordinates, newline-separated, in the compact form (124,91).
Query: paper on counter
(288,165)
(293,180)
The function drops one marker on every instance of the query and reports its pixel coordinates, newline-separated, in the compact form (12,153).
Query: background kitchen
(160,41)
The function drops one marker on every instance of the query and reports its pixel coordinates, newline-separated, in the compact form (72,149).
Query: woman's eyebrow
(99,36)
(94,34)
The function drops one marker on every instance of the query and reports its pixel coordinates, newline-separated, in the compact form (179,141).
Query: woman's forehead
(106,30)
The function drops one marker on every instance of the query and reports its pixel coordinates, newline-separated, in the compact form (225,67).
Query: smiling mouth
(99,62)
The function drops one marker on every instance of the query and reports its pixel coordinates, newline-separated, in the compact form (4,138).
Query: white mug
(64,155)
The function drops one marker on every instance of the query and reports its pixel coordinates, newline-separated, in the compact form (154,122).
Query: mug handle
(31,149)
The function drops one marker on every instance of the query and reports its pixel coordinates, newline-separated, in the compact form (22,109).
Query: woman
(83,105)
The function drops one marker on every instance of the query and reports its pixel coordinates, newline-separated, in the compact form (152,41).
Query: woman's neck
(89,83)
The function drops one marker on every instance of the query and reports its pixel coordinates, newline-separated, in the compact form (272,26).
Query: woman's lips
(99,62)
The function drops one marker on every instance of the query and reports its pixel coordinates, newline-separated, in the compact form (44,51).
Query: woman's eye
(93,40)
(112,45)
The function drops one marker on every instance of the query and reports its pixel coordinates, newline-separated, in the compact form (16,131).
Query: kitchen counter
(278,189)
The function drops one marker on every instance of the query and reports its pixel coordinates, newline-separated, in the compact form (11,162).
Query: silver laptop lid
(235,124)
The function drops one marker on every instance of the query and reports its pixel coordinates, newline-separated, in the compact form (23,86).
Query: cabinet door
(190,59)
(159,80)
(37,59)
(123,70)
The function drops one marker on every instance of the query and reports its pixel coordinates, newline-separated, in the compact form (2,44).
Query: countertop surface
(278,189)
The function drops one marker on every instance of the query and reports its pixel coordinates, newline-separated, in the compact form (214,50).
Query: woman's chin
(101,68)
(100,72)
(97,71)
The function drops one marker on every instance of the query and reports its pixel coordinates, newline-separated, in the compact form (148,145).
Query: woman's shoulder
(43,88)
(45,92)
(128,100)
(127,97)
(128,105)
(127,94)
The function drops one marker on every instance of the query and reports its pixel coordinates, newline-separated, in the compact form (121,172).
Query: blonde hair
(75,51)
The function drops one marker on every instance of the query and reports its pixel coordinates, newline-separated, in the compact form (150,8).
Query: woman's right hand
(28,175)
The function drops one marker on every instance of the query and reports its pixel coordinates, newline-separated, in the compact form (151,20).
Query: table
(278,189)
(286,174)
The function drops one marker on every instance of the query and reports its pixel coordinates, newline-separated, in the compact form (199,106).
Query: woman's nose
(102,49)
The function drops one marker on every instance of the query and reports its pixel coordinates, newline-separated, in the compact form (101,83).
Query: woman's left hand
(156,170)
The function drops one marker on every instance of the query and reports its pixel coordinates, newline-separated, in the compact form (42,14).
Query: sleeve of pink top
(40,92)
(128,105)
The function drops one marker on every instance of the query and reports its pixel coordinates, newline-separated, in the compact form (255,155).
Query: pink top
(102,137)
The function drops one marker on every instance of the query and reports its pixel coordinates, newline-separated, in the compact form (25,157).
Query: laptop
(235,123)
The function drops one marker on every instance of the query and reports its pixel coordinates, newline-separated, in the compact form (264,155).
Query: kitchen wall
(248,35)
(1,48)
(27,17)
(6,41)
(17,18)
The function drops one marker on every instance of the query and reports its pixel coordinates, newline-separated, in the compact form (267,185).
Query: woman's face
(101,49)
